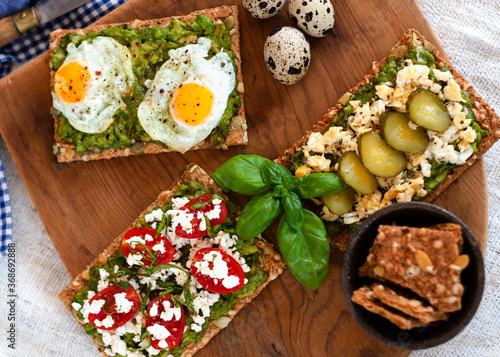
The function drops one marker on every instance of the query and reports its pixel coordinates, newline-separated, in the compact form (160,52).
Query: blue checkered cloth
(37,41)
(25,48)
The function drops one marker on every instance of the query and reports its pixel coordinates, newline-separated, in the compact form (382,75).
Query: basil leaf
(318,184)
(258,215)
(274,173)
(279,191)
(242,174)
(290,183)
(306,251)
(293,209)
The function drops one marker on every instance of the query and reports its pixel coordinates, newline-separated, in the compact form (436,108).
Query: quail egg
(263,9)
(287,54)
(314,17)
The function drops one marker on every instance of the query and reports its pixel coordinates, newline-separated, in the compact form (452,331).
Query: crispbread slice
(364,297)
(421,260)
(237,134)
(484,116)
(411,307)
(272,262)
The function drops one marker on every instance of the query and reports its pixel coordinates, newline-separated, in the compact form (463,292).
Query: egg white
(186,65)
(110,66)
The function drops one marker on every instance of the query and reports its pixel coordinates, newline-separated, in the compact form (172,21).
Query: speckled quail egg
(314,17)
(287,54)
(263,9)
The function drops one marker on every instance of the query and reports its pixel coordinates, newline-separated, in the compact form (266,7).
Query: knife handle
(14,26)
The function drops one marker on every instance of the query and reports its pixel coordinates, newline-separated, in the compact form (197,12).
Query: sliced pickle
(339,202)
(428,111)
(397,133)
(356,175)
(378,157)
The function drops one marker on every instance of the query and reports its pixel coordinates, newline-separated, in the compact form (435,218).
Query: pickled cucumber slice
(378,157)
(428,111)
(356,175)
(397,133)
(339,202)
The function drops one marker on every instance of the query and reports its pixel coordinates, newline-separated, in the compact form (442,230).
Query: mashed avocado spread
(149,48)
(118,271)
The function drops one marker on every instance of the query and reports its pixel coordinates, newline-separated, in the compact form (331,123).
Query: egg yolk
(71,82)
(192,103)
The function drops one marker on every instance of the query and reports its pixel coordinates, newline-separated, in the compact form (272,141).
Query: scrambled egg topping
(451,146)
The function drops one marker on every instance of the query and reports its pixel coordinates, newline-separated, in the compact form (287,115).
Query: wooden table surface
(85,205)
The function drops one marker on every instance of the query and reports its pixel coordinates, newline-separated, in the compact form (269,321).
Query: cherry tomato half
(175,325)
(110,308)
(214,284)
(164,256)
(195,223)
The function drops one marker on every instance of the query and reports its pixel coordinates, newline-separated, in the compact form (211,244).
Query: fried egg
(89,85)
(188,96)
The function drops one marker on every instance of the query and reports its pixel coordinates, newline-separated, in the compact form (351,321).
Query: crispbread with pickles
(358,137)
(114,270)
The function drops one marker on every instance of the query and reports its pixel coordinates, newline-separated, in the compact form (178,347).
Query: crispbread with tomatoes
(175,278)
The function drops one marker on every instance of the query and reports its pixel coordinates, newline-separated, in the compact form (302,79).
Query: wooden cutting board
(85,205)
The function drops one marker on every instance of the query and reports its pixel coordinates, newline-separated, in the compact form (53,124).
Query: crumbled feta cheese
(163,344)
(170,312)
(452,91)
(355,103)
(134,259)
(115,343)
(153,311)
(153,351)
(460,120)
(158,331)
(384,92)
(103,282)
(107,322)
(231,281)
(419,160)
(93,308)
(361,121)
(413,76)
(181,218)
(76,306)
(115,269)
(218,270)
(435,88)
(149,217)
(157,214)
(123,305)
(440,149)
(442,76)
(319,163)
(154,225)
(215,212)
(160,247)
(178,202)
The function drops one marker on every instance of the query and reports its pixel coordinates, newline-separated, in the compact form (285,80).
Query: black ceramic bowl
(414,214)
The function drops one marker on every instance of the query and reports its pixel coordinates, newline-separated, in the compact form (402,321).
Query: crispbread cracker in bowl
(268,263)
(237,129)
(484,116)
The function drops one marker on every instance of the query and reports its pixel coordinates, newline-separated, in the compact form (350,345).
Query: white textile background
(469,30)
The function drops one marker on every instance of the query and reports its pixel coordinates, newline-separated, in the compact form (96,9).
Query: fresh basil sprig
(301,234)
(243,174)
(258,215)
(305,250)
